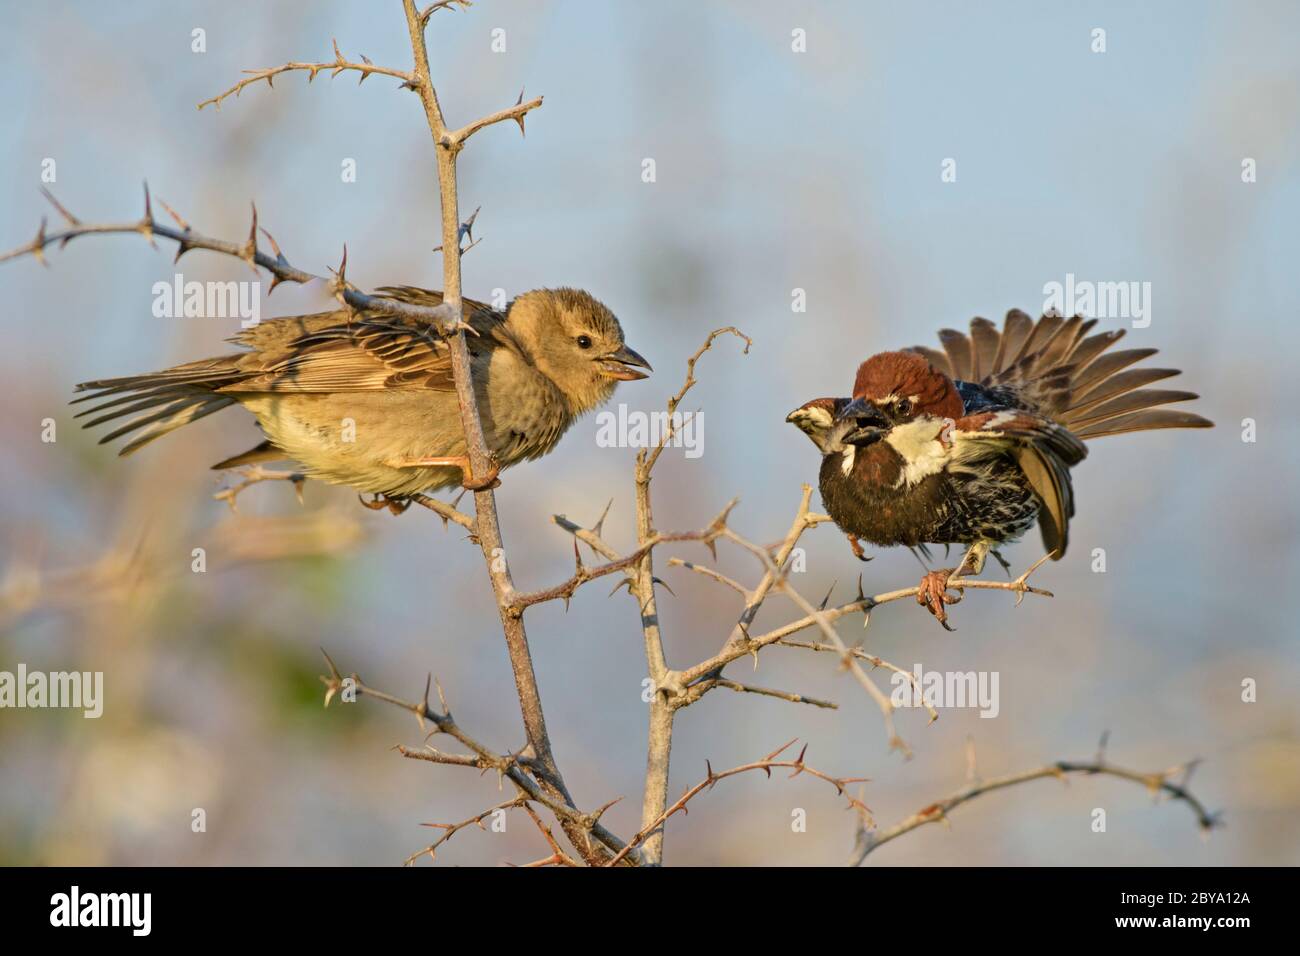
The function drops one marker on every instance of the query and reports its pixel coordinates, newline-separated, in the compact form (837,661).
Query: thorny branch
(641,585)
(1159,783)
(767,765)
(440,317)
(515,767)
(336,66)
(487,528)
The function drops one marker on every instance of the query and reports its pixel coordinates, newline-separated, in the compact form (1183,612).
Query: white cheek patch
(818,416)
(920,445)
(850,453)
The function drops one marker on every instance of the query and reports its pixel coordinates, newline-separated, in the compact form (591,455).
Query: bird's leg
(468,479)
(932,593)
(856,546)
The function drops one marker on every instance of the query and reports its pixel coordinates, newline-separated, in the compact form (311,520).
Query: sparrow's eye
(904,406)
(584,341)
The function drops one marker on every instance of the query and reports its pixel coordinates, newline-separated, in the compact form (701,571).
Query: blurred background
(775,170)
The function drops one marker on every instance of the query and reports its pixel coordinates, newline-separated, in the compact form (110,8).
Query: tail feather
(1145,421)
(1015,331)
(178,413)
(204,371)
(161,401)
(1060,367)
(1056,352)
(161,391)
(137,404)
(958,348)
(1092,346)
(1039,336)
(189,412)
(1117,385)
(1104,366)
(1131,402)
(984,347)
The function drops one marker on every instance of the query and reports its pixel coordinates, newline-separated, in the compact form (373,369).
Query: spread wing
(1043,450)
(330,353)
(1057,368)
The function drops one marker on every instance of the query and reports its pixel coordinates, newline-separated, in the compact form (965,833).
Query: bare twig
(860,654)
(583,573)
(441,317)
(255,474)
(775,576)
(747,644)
(451,829)
(456,138)
(335,67)
(641,586)
(513,767)
(445,511)
(1157,783)
(558,857)
(699,688)
(767,765)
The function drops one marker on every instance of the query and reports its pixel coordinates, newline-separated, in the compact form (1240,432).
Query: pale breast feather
(923,446)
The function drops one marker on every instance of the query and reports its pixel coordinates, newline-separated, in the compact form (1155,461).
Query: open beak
(624,365)
(869,423)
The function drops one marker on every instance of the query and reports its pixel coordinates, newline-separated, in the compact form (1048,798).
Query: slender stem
(659,743)
(487,524)
(1157,783)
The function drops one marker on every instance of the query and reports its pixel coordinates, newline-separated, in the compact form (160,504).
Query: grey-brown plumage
(361,400)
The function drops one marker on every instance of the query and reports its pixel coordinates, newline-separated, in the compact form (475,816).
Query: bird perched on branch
(973,444)
(368,400)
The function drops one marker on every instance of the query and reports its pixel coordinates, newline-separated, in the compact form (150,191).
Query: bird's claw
(856,547)
(932,594)
(485,483)
(395,505)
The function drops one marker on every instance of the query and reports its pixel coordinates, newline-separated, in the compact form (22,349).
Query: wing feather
(1044,451)
(372,352)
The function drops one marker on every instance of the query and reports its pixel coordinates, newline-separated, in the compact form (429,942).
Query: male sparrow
(368,400)
(973,444)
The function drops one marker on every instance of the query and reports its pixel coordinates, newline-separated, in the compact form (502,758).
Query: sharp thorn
(185,226)
(72,220)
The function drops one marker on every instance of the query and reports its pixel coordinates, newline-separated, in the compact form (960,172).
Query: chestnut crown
(905,386)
